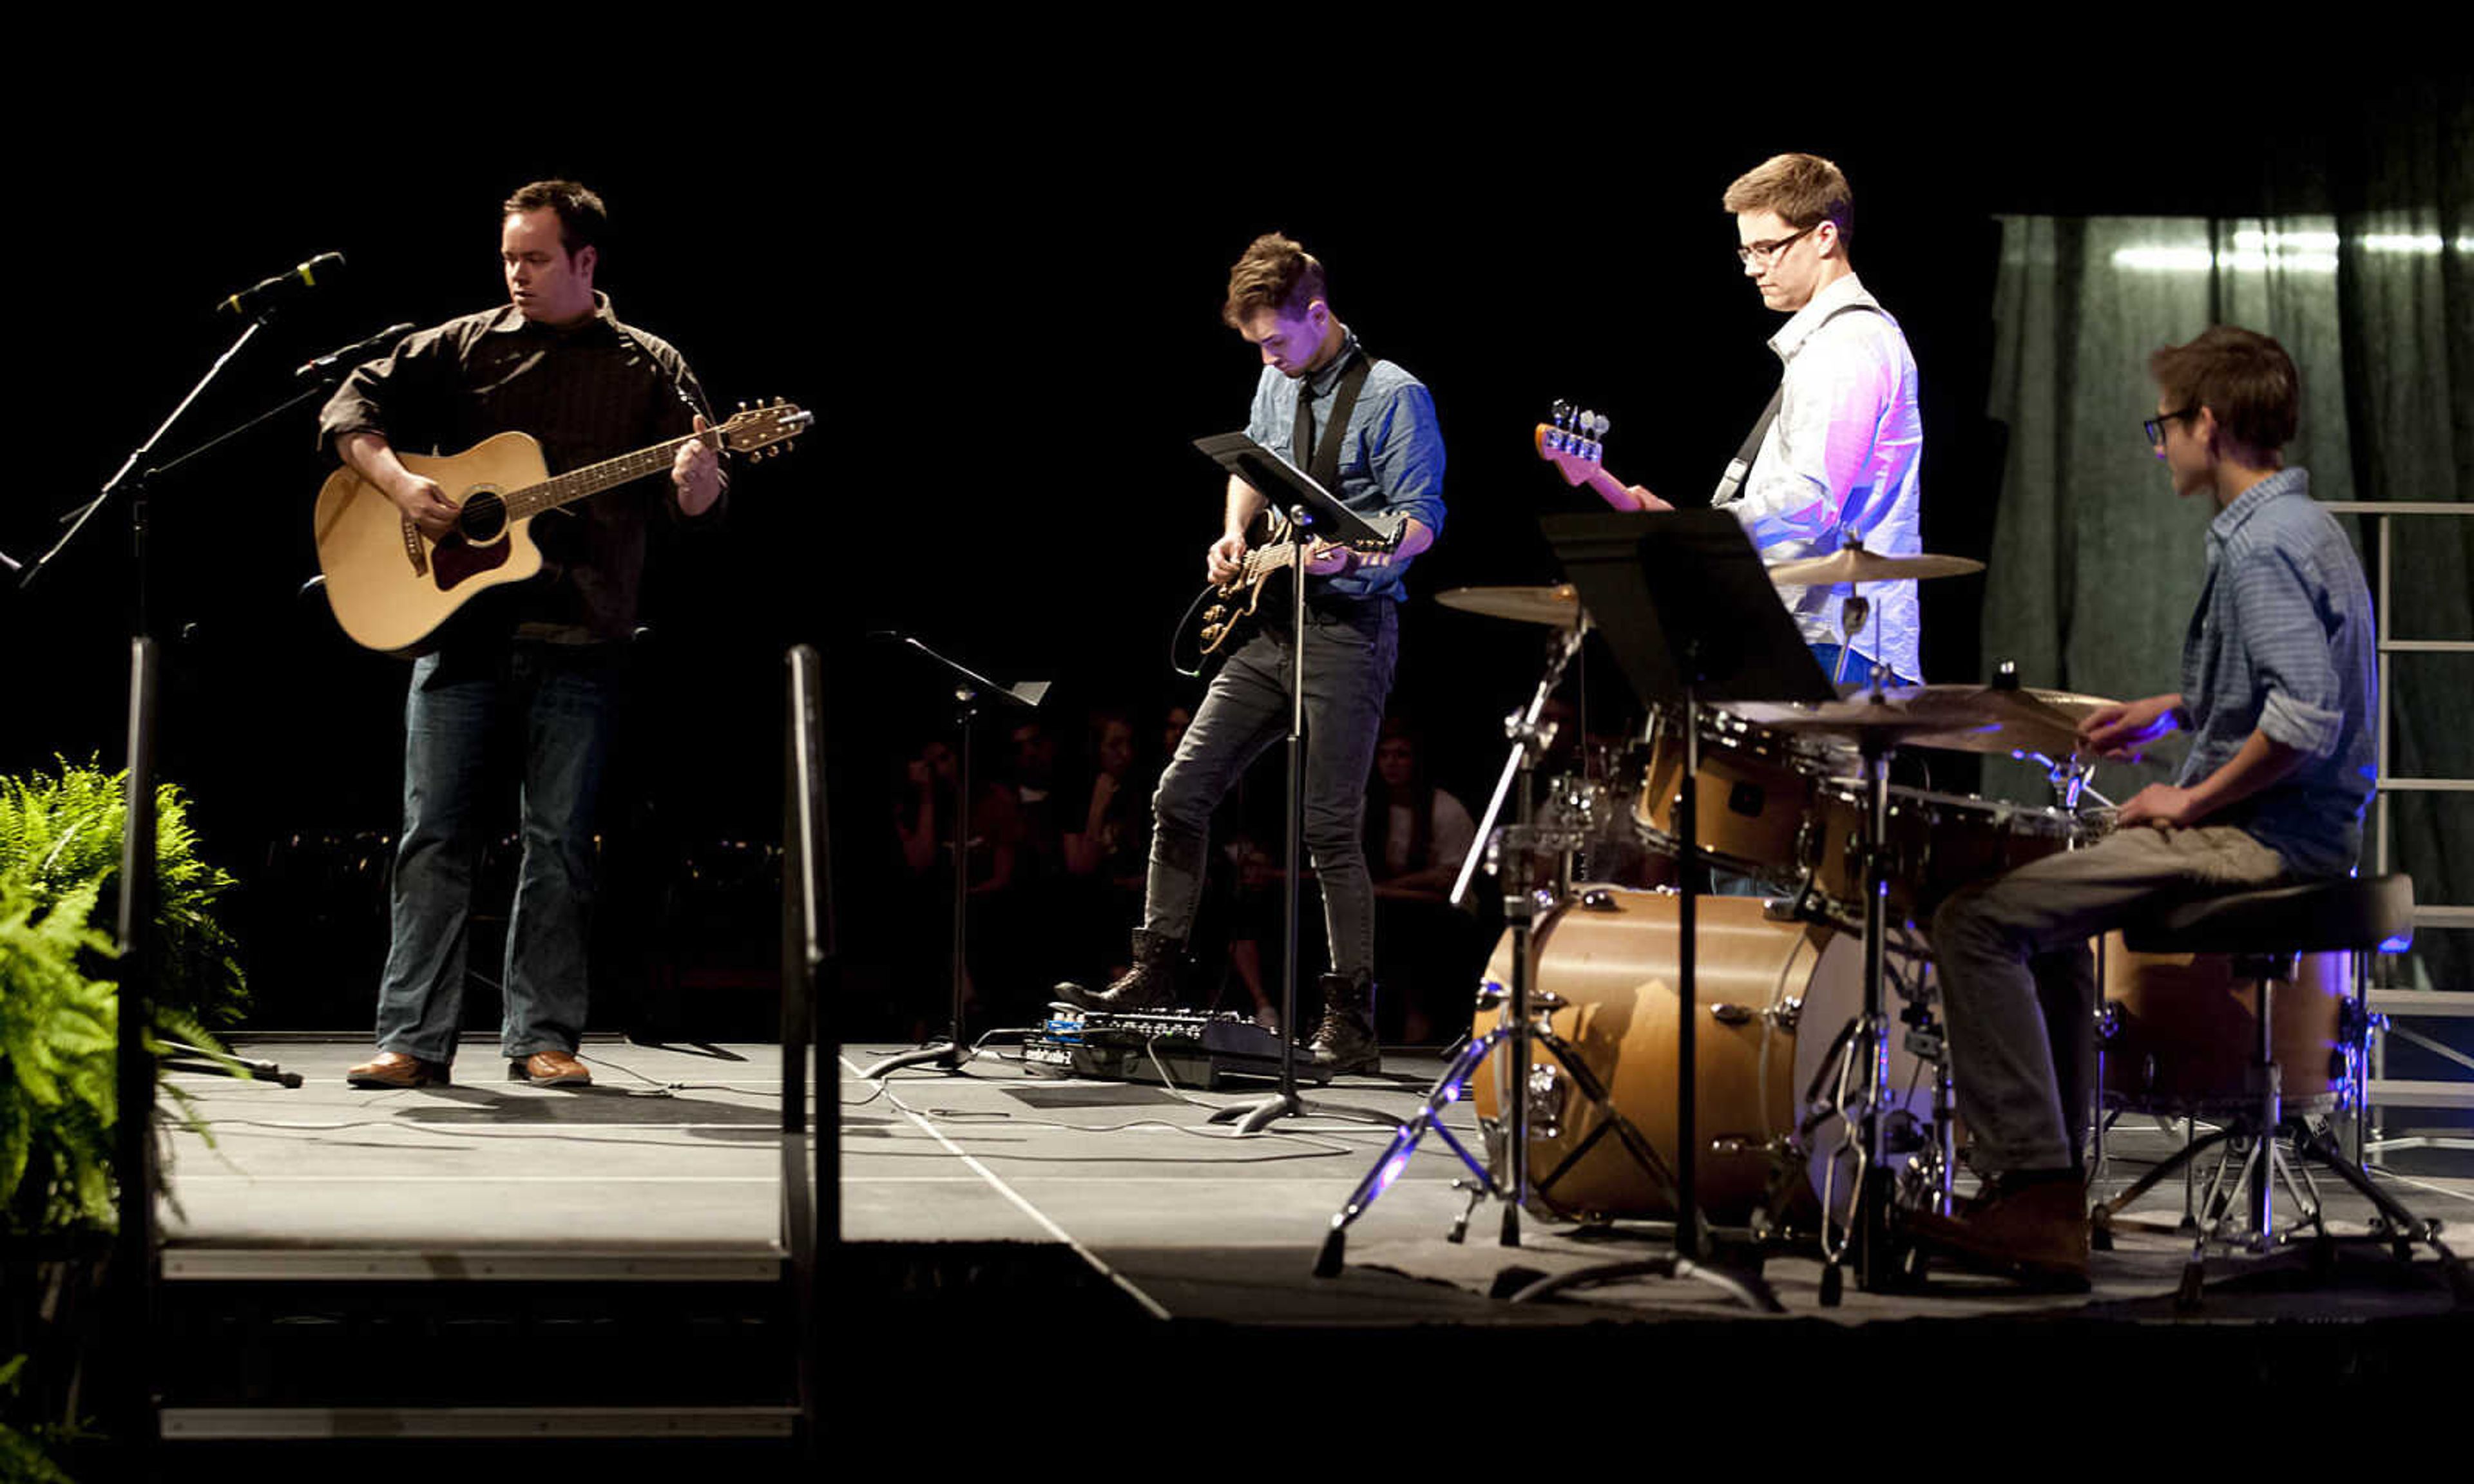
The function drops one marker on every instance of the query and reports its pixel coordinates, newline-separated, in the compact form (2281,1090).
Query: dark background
(999,289)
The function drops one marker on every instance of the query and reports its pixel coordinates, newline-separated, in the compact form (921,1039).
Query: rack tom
(1756,788)
(1937,843)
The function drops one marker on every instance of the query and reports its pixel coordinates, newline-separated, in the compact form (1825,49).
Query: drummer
(2277,689)
(1835,457)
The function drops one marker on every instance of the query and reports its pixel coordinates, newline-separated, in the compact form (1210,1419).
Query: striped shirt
(2282,643)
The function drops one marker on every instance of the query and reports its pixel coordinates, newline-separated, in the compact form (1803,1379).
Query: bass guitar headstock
(1574,441)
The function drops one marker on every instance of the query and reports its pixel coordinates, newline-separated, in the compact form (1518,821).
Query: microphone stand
(131,1407)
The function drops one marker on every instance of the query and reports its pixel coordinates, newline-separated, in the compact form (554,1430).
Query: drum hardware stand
(1530,738)
(953,1053)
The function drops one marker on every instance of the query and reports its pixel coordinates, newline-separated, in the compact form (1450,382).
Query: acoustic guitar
(391,586)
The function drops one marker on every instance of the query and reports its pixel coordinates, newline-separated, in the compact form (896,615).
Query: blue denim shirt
(2282,643)
(1393,463)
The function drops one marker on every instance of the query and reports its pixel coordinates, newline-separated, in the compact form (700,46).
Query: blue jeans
(1349,653)
(560,700)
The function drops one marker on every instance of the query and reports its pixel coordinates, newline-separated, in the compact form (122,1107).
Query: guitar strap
(1323,464)
(1732,483)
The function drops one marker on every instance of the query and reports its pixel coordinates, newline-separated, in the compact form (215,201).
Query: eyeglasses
(1767,252)
(2155,425)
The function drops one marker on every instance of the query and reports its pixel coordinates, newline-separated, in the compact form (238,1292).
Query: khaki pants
(2018,981)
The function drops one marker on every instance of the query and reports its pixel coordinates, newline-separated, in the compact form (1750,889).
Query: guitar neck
(1614,491)
(592,478)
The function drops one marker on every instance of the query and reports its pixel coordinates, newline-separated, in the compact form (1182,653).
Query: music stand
(1690,615)
(1313,510)
(969,685)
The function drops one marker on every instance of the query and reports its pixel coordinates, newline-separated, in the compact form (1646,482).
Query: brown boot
(1146,986)
(1346,1041)
(395,1069)
(2033,1230)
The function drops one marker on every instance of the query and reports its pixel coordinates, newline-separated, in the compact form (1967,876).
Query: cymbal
(1559,605)
(1856,564)
(1949,718)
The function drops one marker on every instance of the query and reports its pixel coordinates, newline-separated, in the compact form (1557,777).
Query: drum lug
(1600,900)
(1732,1014)
(1786,1012)
(1545,1101)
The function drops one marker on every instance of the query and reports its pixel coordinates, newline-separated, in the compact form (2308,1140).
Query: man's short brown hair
(2243,377)
(581,216)
(1275,273)
(1804,190)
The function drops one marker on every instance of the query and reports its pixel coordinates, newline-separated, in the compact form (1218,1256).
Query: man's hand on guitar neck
(1646,501)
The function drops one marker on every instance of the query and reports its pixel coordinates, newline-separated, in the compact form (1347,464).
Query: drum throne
(2267,933)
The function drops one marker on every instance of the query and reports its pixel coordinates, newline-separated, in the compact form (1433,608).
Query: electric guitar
(1575,443)
(1229,608)
(391,586)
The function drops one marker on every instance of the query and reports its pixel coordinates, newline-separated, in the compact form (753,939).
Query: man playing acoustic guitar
(539,660)
(1366,429)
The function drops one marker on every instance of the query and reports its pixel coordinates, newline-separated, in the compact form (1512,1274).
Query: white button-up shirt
(1843,456)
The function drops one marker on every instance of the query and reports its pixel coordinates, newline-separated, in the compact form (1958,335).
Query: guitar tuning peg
(742,406)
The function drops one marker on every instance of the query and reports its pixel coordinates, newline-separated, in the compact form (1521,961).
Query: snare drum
(2186,1032)
(1772,997)
(1756,788)
(1938,842)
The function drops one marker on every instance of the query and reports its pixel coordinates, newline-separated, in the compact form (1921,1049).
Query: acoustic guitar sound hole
(483,518)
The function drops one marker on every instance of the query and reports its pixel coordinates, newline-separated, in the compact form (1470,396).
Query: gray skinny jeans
(1350,647)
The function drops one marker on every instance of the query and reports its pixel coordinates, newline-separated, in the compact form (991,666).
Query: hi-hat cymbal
(1856,564)
(1559,605)
(1952,718)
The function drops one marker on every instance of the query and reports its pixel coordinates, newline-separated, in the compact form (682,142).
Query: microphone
(283,285)
(345,358)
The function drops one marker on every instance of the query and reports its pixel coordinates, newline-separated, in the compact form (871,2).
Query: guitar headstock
(1574,441)
(764,431)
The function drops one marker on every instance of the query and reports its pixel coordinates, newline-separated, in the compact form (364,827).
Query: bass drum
(1773,999)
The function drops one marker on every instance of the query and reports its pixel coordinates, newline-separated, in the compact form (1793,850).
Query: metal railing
(2379,1090)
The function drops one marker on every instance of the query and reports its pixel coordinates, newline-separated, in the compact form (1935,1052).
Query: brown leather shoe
(2036,1232)
(395,1070)
(550,1069)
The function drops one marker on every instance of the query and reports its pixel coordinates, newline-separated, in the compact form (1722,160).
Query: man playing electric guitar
(539,658)
(1366,430)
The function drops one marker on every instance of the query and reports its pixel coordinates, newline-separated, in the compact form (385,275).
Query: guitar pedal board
(1191,1048)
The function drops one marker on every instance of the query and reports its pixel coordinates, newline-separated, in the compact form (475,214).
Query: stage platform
(1038,1210)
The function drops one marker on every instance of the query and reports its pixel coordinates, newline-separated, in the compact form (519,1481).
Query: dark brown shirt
(586,392)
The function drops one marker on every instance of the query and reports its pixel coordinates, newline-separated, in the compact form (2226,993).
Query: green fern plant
(60,853)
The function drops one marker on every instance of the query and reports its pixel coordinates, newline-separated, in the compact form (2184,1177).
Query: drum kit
(1801,1088)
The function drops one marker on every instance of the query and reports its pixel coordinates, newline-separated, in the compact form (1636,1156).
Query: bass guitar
(391,586)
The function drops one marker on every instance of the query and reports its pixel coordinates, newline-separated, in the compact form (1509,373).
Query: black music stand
(1311,512)
(969,686)
(1690,615)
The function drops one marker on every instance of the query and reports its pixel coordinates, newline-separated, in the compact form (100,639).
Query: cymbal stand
(1865,1073)
(1530,738)
(1523,1015)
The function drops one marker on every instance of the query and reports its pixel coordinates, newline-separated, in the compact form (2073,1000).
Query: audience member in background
(1417,836)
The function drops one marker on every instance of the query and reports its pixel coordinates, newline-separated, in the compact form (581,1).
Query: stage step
(304,1424)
